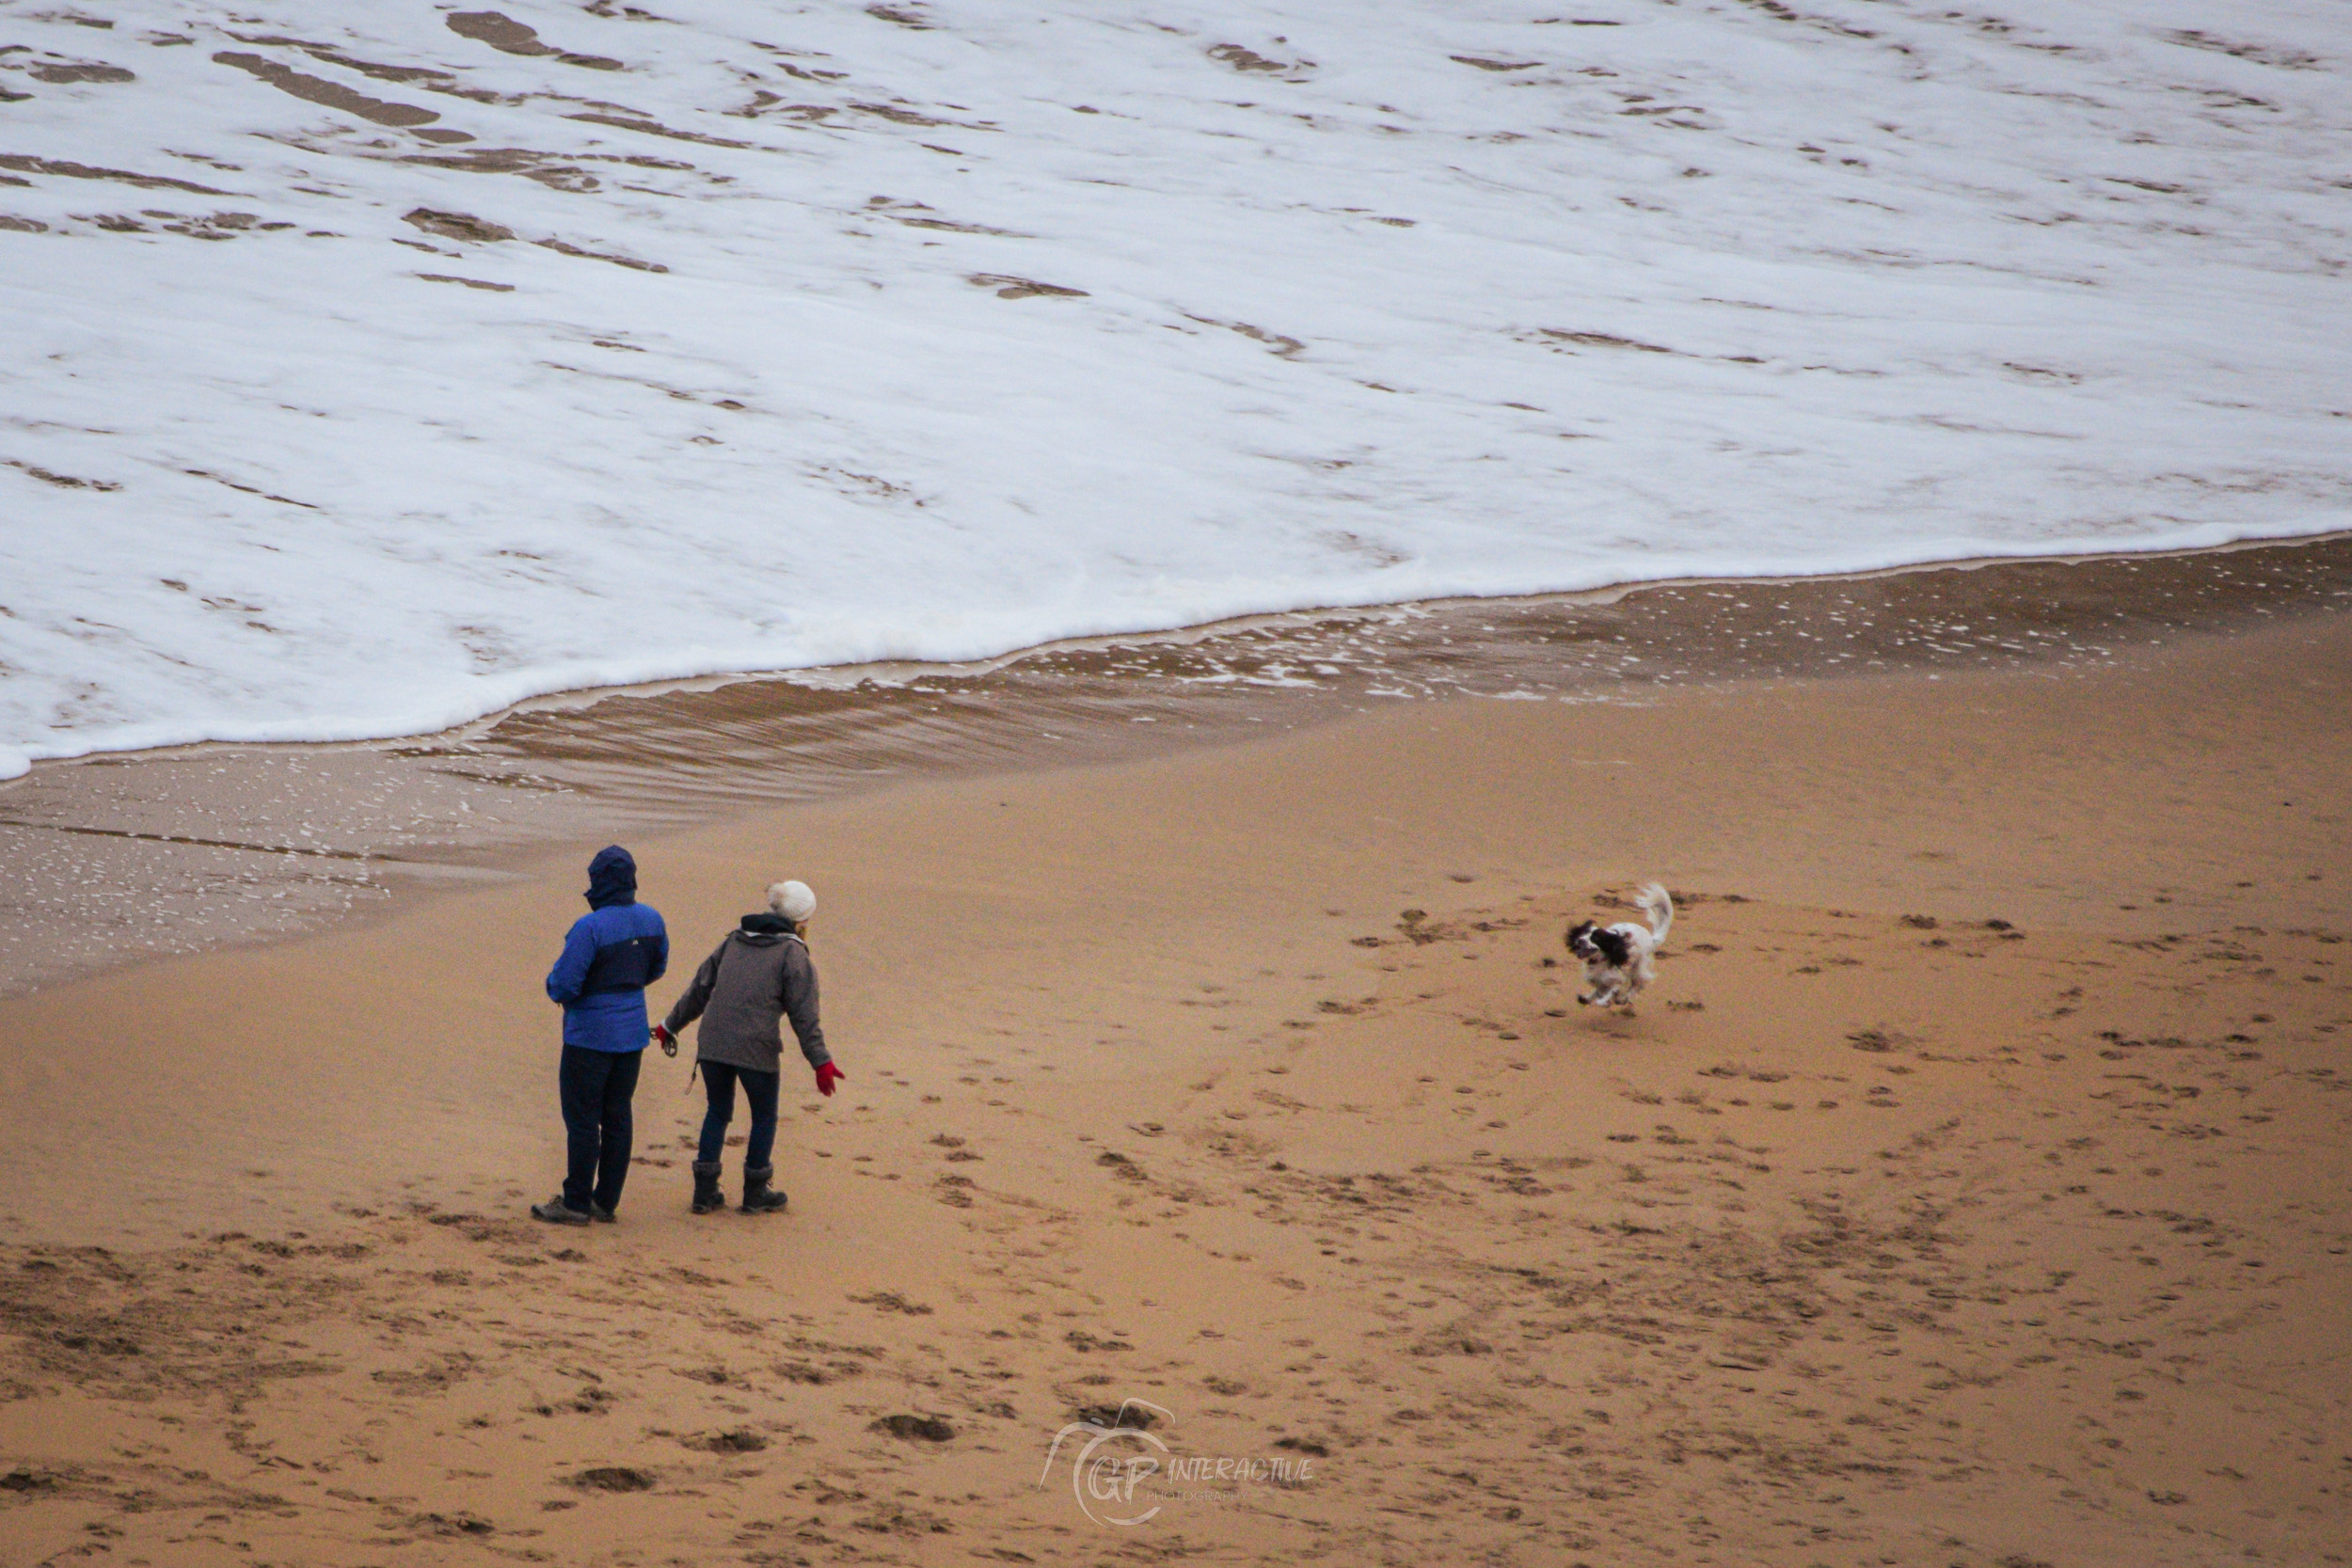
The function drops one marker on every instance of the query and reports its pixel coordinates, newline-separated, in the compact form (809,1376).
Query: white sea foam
(1378,302)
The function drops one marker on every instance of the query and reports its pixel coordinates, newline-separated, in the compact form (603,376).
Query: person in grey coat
(759,977)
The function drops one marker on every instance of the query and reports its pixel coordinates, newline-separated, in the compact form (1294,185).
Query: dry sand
(1883,1233)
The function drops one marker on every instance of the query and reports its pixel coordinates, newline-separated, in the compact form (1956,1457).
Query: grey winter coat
(758,976)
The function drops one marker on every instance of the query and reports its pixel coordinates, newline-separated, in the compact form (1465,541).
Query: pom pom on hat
(792,900)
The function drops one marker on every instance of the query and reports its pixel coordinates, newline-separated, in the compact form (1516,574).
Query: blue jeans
(759,1093)
(597,1087)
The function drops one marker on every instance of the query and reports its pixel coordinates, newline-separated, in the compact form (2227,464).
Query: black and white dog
(1617,957)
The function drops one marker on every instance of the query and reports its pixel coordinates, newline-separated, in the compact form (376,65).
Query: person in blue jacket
(610,954)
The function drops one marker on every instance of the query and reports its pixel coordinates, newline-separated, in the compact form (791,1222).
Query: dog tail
(1660,909)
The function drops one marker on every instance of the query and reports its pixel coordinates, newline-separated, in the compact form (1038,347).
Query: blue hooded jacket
(610,954)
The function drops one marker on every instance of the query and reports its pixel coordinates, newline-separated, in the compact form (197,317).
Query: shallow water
(807,735)
(114,859)
(791,336)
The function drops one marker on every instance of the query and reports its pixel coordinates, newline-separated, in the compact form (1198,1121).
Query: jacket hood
(765,928)
(612,879)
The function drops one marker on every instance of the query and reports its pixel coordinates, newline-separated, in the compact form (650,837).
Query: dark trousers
(759,1093)
(596,1087)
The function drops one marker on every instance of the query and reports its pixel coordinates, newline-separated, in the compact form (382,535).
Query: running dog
(1617,957)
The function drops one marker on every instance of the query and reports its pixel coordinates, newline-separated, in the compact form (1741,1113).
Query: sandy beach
(1969,1190)
(1211,541)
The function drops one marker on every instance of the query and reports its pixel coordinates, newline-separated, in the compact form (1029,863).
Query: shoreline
(235,844)
(835,676)
(854,673)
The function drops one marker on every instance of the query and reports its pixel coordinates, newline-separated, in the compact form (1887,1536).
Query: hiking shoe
(555,1212)
(708,1199)
(602,1215)
(758,1198)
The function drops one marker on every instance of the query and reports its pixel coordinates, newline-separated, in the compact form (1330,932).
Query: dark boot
(708,1199)
(758,1198)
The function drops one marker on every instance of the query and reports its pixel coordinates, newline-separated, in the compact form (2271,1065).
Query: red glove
(827,1076)
(662,1038)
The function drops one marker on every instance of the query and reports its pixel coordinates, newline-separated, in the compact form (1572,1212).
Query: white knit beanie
(792,900)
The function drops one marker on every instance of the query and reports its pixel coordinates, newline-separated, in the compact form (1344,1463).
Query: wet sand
(1968,1191)
(118,859)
